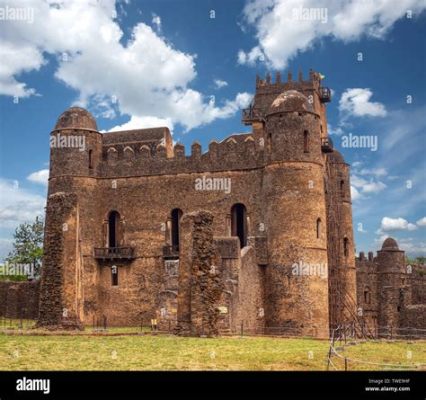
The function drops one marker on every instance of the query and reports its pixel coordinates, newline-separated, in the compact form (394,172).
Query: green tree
(28,244)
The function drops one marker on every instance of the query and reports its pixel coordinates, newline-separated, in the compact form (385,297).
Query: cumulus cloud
(396,224)
(421,222)
(18,205)
(219,83)
(286,27)
(362,186)
(145,76)
(143,122)
(41,177)
(356,102)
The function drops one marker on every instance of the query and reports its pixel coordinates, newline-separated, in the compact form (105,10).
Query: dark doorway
(113,222)
(176,216)
(239,223)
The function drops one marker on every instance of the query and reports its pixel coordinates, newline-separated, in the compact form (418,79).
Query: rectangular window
(305,142)
(114,275)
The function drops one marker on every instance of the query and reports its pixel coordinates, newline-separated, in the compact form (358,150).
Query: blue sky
(137,64)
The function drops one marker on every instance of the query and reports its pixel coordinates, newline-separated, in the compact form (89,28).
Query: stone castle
(255,231)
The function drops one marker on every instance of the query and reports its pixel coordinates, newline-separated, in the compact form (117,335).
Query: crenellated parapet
(236,152)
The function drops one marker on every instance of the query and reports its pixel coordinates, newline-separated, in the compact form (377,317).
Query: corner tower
(295,211)
(75,148)
(75,156)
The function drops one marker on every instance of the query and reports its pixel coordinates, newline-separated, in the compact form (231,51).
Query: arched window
(239,223)
(306,142)
(346,247)
(176,216)
(90,159)
(113,226)
(318,228)
(367,295)
(342,187)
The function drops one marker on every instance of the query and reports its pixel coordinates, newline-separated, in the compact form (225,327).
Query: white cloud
(18,205)
(156,21)
(219,83)
(396,224)
(41,177)
(373,187)
(282,33)
(355,194)
(143,77)
(142,123)
(356,102)
(421,222)
(364,186)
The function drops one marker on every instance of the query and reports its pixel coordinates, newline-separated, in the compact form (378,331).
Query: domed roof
(76,118)
(390,244)
(289,101)
(335,157)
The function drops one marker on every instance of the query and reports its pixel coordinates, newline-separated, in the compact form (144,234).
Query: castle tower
(75,154)
(341,249)
(391,264)
(295,214)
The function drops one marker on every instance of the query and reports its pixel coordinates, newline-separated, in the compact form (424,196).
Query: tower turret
(391,264)
(75,147)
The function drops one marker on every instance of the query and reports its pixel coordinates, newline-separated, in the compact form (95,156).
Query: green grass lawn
(84,352)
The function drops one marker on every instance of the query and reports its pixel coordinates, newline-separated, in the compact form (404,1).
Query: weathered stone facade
(391,293)
(19,299)
(280,239)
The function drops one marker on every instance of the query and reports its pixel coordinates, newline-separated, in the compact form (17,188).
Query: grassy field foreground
(176,353)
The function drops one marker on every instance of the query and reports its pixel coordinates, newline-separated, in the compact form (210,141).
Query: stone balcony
(113,253)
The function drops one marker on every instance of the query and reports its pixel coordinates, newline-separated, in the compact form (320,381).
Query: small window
(114,275)
(345,247)
(306,142)
(90,160)
(318,228)
(176,216)
(342,187)
(239,223)
(367,296)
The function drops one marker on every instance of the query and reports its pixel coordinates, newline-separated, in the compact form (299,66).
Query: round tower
(341,249)
(391,266)
(295,214)
(75,148)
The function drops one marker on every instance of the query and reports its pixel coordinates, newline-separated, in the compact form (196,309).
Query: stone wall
(60,291)
(19,299)
(200,283)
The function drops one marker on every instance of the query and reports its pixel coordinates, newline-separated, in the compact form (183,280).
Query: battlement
(267,90)
(313,80)
(151,157)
